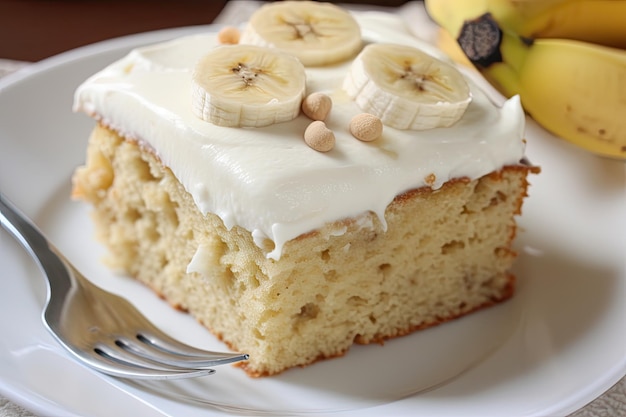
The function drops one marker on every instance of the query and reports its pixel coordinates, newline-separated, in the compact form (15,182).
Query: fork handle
(37,245)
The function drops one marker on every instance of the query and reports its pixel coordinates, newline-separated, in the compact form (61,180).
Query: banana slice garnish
(247,86)
(317,33)
(407,88)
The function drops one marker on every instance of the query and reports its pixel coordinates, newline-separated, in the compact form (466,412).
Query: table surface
(31,30)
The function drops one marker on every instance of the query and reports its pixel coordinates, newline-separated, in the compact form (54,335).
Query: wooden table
(31,30)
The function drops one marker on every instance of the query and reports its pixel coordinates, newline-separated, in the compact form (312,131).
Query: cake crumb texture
(445,253)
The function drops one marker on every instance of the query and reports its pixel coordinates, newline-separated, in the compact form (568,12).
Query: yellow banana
(597,21)
(576,90)
(450,15)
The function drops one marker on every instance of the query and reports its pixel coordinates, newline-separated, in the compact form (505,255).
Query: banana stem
(498,54)
(480,40)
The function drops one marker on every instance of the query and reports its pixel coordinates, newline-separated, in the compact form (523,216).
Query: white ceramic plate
(555,347)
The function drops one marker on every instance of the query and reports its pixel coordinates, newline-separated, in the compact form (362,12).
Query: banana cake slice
(289,246)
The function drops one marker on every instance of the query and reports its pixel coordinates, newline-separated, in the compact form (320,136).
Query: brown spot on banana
(591,126)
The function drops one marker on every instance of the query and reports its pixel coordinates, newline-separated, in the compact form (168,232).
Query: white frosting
(268,180)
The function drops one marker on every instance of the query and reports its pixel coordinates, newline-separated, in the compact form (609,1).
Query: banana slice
(407,88)
(317,33)
(247,86)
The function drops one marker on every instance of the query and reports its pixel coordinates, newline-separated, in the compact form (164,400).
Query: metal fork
(101,329)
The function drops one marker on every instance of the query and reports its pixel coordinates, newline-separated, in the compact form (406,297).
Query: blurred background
(31,30)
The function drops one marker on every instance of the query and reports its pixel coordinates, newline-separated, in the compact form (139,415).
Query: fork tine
(169,346)
(117,361)
(180,355)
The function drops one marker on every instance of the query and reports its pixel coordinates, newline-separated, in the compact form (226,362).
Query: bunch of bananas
(565,58)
